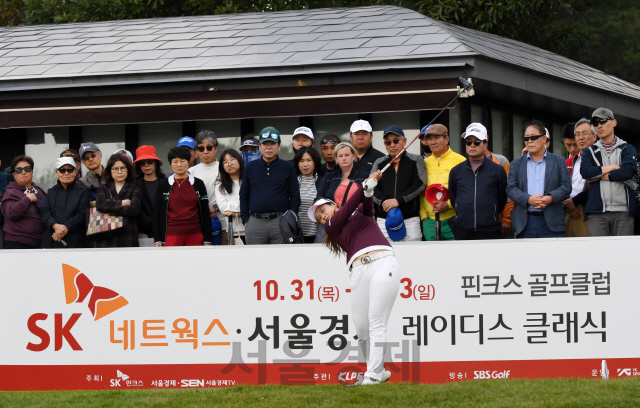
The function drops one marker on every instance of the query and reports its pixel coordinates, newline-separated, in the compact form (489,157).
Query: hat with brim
(312,210)
(145,153)
(65,160)
(269,134)
(602,113)
(187,142)
(436,192)
(394,224)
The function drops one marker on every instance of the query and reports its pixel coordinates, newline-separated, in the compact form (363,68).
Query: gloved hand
(368,186)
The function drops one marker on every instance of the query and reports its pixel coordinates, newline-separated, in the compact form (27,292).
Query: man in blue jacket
(538,183)
(477,189)
(606,164)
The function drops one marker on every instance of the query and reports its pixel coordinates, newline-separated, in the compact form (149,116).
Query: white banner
(281,313)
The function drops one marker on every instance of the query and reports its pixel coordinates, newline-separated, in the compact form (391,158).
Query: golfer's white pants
(374,289)
(413,229)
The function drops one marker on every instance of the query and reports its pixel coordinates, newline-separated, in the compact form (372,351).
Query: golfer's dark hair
(226,184)
(107,177)
(332,245)
(179,153)
(536,124)
(568,132)
(315,156)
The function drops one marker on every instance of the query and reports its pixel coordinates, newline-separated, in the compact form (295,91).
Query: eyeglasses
(329,139)
(599,121)
(532,138)
(583,134)
(394,141)
(90,156)
(66,170)
(270,135)
(201,148)
(118,169)
(474,142)
(26,169)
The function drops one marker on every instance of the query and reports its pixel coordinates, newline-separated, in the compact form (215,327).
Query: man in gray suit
(538,183)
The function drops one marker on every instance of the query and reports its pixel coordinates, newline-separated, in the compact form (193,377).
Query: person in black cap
(92,159)
(327,145)
(401,185)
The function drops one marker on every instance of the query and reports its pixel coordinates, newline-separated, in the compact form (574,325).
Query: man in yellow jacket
(439,164)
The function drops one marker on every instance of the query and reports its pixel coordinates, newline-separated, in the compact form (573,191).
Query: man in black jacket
(401,185)
(477,189)
(361,135)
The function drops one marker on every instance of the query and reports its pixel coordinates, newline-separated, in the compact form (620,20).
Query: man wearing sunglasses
(92,159)
(606,164)
(327,146)
(269,188)
(400,186)
(207,171)
(477,190)
(538,183)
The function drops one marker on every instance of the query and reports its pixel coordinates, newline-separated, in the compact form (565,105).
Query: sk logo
(77,287)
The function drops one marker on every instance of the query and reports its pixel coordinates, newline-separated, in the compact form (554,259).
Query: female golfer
(374,271)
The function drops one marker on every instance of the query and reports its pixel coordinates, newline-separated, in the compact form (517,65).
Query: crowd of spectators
(251,196)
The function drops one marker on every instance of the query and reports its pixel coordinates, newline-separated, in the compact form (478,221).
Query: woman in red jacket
(374,271)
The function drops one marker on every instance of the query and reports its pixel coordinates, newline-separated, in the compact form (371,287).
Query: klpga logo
(487,375)
(350,375)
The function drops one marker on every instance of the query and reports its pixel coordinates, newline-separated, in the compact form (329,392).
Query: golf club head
(466,85)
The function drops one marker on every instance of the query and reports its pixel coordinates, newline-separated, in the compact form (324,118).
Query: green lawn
(501,393)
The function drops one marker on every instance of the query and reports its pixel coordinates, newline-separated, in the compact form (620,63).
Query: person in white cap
(477,190)
(361,135)
(302,136)
(65,208)
(375,273)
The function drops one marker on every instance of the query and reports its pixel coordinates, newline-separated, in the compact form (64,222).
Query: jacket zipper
(475,196)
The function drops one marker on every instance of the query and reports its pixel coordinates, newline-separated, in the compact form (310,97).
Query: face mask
(424,149)
(251,156)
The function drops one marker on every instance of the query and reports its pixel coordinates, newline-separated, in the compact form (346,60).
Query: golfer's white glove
(368,187)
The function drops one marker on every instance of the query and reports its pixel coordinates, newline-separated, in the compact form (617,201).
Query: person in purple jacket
(21,206)
(374,271)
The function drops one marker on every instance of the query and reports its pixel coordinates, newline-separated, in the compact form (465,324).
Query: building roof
(165,47)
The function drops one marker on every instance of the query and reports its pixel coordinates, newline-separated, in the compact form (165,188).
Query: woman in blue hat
(374,271)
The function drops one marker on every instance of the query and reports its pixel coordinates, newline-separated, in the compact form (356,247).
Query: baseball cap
(187,142)
(602,113)
(250,142)
(395,225)
(437,130)
(476,129)
(330,138)
(269,134)
(360,125)
(393,129)
(146,152)
(65,160)
(312,210)
(88,147)
(303,130)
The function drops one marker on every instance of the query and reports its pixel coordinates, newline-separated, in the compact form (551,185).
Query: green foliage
(11,12)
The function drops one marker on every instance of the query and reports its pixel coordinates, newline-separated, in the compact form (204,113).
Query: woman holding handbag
(120,196)
(227,192)
(21,206)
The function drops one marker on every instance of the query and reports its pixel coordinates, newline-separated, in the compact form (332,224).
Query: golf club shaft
(466,86)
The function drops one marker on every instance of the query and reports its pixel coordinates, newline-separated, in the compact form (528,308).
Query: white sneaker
(386,374)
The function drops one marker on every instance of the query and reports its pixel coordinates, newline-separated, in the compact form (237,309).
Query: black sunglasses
(147,162)
(201,148)
(595,121)
(66,170)
(475,142)
(26,169)
(532,138)
(394,141)
(329,139)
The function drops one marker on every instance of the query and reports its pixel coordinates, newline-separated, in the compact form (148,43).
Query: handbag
(103,225)
(234,225)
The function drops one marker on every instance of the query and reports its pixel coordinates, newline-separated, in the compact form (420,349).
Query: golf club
(466,86)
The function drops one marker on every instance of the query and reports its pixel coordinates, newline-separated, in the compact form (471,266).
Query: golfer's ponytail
(333,246)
